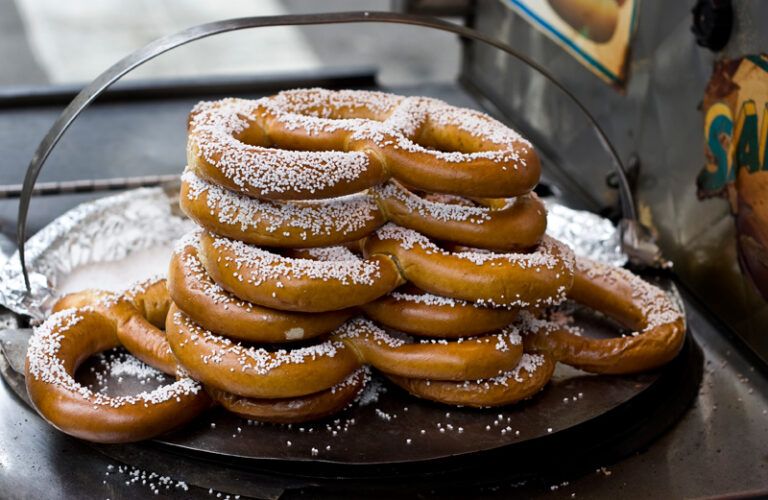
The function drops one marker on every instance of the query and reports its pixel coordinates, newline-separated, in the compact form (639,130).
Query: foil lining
(111,228)
(588,234)
(108,229)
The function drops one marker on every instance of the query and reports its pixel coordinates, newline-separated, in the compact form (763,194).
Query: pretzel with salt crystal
(499,224)
(316,143)
(57,348)
(529,377)
(537,278)
(423,314)
(257,372)
(461,359)
(336,279)
(138,316)
(503,224)
(658,323)
(196,294)
(299,409)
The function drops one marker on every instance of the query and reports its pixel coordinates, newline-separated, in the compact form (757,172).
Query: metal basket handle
(632,232)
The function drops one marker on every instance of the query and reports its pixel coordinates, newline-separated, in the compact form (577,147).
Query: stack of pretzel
(340,231)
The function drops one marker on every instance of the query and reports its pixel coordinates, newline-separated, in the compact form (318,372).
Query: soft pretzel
(340,279)
(316,143)
(538,278)
(502,224)
(529,377)
(423,314)
(462,359)
(138,316)
(299,409)
(288,224)
(658,323)
(210,306)
(255,372)
(56,349)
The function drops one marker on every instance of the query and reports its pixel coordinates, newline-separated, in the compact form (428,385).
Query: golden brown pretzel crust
(138,316)
(504,224)
(268,279)
(530,377)
(512,224)
(418,313)
(659,324)
(465,359)
(534,279)
(293,410)
(58,347)
(195,293)
(340,142)
(256,373)
(286,224)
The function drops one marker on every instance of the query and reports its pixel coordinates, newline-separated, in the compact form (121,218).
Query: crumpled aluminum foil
(588,234)
(110,228)
(104,230)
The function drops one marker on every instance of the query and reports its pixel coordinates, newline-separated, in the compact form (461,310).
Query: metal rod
(162,45)
(87,185)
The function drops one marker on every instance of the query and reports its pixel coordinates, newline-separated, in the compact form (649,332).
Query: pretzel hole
(115,372)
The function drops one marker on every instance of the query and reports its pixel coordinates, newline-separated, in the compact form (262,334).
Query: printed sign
(597,32)
(735,131)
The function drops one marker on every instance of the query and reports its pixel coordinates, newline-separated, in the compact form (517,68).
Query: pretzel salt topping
(194,292)
(257,372)
(657,321)
(530,376)
(341,142)
(501,224)
(299,409)
(423,314)
(339,280)
(56,349)
(457,359)
(288,224)
(537,278)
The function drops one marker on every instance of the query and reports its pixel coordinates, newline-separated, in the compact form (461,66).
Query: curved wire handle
(162,45)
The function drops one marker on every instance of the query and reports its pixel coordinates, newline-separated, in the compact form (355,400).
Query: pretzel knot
(658,324)
(316,143)
(501,224)
(70,336)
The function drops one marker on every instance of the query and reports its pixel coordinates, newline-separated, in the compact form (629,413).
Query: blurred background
(53,41)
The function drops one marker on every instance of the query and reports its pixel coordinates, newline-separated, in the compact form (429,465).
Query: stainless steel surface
(88,185)
(657,118)
(162,45)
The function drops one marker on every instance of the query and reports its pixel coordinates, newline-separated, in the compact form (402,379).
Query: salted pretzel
(488,223)
(213,308)
(423,314)
(500,224)
(56,349)
(338,279)
(537,278)
(316,143)
(462,359)
(299,409)
(138,316)
(257,372)
(287,224)
(529,377)
(658,323)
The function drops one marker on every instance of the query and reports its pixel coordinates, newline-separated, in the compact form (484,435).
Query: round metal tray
(579,420)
